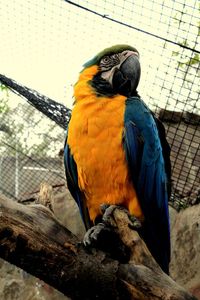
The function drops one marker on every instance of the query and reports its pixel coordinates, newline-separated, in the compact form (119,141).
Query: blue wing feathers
(72,182)
(70,171)
(149,178)
(133,147)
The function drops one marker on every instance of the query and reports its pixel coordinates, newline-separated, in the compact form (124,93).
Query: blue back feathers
(147,167)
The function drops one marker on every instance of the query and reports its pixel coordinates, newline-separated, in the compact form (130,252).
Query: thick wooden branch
(32,239)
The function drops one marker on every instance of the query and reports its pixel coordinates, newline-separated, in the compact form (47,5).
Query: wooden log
(32,239)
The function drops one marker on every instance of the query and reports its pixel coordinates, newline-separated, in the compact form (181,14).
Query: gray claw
(104,207)
(92,234)
(135,222)
(108,215)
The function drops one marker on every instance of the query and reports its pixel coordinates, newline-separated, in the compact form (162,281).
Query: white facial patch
(109,64)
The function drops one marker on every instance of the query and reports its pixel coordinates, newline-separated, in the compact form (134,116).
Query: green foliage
(188,64)
(194,60)
(183,60)
(186,59)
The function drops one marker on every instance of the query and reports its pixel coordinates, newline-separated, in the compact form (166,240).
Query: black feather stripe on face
(103,87)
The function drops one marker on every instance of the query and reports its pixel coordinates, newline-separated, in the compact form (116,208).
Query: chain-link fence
(44,43)
(29,151)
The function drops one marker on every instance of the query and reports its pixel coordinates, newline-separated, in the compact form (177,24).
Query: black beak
(126,78)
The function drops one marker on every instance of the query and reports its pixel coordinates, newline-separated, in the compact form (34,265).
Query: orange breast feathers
(95,140)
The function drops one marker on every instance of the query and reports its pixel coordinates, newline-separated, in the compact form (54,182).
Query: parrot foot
(92,234)
(108,216)
(104,235)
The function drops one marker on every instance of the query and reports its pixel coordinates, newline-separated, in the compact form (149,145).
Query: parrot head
(118,71)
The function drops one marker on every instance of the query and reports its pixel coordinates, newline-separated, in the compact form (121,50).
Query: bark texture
(32,239)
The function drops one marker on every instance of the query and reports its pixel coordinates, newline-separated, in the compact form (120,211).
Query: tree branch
(32,239)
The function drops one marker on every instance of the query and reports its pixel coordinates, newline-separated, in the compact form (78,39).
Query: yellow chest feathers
(95,139)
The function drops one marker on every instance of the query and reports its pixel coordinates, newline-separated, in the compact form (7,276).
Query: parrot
(116,151)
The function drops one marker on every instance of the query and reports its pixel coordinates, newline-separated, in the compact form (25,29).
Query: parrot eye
(105,59)
(107,62)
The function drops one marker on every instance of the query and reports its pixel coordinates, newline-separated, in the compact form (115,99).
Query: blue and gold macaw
(116,151)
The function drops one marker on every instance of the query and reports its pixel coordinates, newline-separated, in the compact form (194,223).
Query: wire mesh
(44,44)
(29,156)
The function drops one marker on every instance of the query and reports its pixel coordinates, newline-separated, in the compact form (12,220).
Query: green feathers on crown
(108,51)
